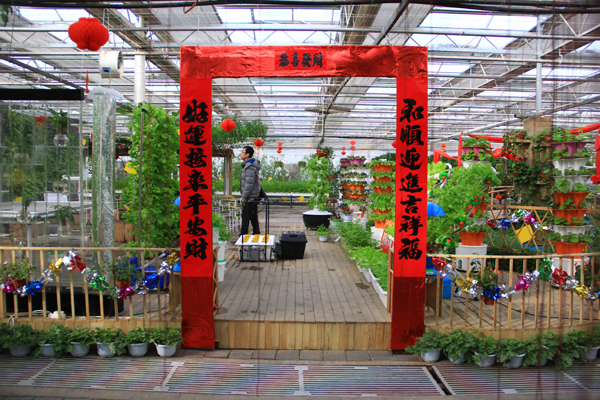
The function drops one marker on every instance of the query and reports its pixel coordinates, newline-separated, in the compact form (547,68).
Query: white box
(255,250)
(376,233)
(566,264)
(461,249)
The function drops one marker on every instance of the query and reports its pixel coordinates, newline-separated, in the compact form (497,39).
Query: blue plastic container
(447,284)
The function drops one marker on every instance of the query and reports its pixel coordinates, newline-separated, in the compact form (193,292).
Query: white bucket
(216,230)
(221,250)
(221,269)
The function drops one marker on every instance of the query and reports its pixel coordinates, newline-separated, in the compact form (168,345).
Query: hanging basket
(471,238)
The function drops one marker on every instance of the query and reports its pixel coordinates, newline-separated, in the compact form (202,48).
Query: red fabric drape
(585,129)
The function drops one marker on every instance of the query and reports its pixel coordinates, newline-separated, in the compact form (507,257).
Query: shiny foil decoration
(491,223)
(99,283)
(7,286)
(143,289)
(559,277)
(47,277)
(581,291)
(125,293)
(545,269)
(151,281)
(570,283)
(32,288)
(173,258)
(55,266)
(77,264)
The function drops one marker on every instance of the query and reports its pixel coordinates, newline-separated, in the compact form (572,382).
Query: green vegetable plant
(167,336)
(458,343)
(57,335)
(430,340)
(510,348)
(224,233)
(488,279)
(20,335)
(483,347)
(64,214)
(375,260)
(570,348)
(114,338)
(353,234)
(320,170)
(137,335)
(322,231)
(83,336)
(20,269)
(540,347)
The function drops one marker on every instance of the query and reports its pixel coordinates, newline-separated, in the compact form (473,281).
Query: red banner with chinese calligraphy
(410,243)
(195,186)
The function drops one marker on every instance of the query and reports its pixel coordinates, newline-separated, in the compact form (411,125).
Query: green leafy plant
(20,335)
(83,336)
(320,170)
(510,348)
(483,347)
(20,269)
(57,335)
(59,119)
(541,347)
(64,214)
(458,343)
(240,135)
(224,233)
(167,336)
(488,278)
(374,259)
(430,340)
(123,270)
(137,335)
(353,234)
(114,338)
(570,348)
(322,231)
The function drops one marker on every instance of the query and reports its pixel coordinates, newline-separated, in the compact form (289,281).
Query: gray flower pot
(516,361)
(591,354)
(47,350)
(542,362)
(137,349)
(431,355)
(459,360)
(20,350)
(79,350)
(164,350)
(488,361)
(105,351)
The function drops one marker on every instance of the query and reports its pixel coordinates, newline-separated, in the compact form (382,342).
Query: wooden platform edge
(271,335)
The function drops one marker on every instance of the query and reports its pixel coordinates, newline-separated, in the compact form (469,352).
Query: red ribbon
(559,276)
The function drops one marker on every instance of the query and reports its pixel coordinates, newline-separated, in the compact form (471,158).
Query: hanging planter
(577,197)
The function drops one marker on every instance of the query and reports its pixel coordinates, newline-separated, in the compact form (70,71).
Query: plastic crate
(293,245)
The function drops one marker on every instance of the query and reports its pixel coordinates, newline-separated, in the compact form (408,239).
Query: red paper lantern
(279,151)
(258,143)
(352,142)
(279,143)
(89,34)
(343,148)
(352,147)
(343,153)
(394,144)
(228,125)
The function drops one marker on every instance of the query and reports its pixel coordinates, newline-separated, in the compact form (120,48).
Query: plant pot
(20,350)
(137,349)
(383,179)
(60,140)
(346,217)
(572,147)
(17,283)
(323,238)
(563,164)
(480,207)
(315,218)
(488,361)
(569,248)
(570,214)
(577,197)
(488,301)
(47,350)
(164,350)
(459,360)
(79,350)
(471,238)
(591,354)
(516,361)
(431,356)
(104,349)
(122,285)
(380,224)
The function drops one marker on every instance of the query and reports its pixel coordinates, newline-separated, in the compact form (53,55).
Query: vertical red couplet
(408,310)
(195,154)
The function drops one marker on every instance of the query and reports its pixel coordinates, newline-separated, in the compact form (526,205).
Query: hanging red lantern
(343,148)
(258,143)
(228,125)
(279,143)
(394,144)
(279,151)
(343,153)
(352,147)
(352,142)
(89,34)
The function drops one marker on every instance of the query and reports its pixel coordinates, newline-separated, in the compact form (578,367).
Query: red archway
(199,65)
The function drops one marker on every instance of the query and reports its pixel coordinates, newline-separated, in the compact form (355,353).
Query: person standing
(250,190)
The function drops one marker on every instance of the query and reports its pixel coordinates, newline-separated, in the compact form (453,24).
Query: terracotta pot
(122,285)
(481,207)
(380,224)
(471,238)
(352,187)
(577,197)
(383,179)
(488,301)
(570,214)
(569,248)
(17,283)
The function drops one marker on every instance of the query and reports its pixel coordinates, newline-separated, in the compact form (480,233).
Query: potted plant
(322,233)
(320,172)
(18,272)
(54,341)
(166,340)
(512,352)
(428,346)
(458,344)
(591,351)
(80,340)
(485,350)
(60,120)
(109,342)
(473,234)
(541,349)
(137,342)
(64,215)
(488,280)
(570,347)
(124,272)
(19,340)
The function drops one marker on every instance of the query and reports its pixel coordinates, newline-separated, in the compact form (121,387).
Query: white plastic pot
(137,349)
(516,361)
(164,350)
(20,350)
(488,361)
(591,354)
(105,351)
(79,350)
(47,350)
(431,356)
(459,360)
(323,238)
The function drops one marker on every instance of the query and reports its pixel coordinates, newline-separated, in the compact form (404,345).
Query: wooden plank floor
(324,286)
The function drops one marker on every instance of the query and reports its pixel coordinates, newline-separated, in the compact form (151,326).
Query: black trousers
(250,215)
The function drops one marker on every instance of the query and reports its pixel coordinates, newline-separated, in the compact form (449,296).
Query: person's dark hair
(249,150)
